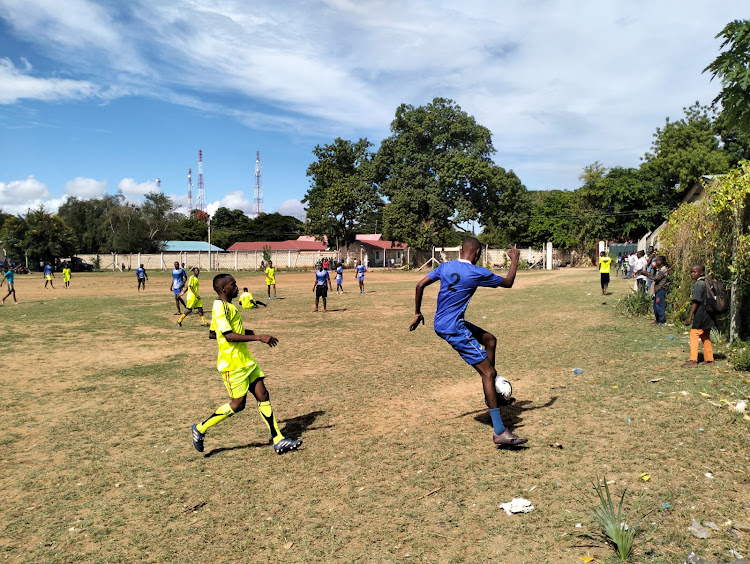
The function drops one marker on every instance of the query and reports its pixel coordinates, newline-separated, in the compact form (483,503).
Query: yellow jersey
(604,264)
(246,300)
(193,291)
(226,318)
(270,275)
(66,274)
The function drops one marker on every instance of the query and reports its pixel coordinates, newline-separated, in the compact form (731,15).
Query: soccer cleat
(3,301)
(179,323)
(197,437)
(285,445)
(325,310)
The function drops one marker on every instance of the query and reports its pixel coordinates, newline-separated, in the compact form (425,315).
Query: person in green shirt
(605,264)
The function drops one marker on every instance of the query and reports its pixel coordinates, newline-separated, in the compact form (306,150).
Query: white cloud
(85,187)
(134,190)
(295,208)
(17,85)
(19,192)
(234,201)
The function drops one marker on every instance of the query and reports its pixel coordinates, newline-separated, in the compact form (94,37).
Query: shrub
(637,304)
(97,262)
(739,356)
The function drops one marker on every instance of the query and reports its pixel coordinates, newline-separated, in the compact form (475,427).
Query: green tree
(234,220)
(732,67)
(557,218)
(276,227)
(86,218)
(683,151)
(342,194)
(505,207)
(159,218)
(40,235)
(190,229)
(436,171)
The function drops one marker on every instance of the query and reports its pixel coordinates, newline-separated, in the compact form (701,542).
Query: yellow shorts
(238,381)
(192,302)
(48,277)
(270,281)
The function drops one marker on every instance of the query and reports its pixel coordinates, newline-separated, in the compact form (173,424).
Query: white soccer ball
(503,387)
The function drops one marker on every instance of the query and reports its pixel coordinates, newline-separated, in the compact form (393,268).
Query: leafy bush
(739,355)
(637,304)
(97,262)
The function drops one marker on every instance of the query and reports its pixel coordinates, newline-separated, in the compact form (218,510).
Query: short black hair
(219,278)
(471,244)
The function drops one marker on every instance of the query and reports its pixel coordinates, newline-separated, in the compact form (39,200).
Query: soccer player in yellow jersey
(247,301)
(66,275)
(271,279)
(605,264)
(193,300)
(238,367)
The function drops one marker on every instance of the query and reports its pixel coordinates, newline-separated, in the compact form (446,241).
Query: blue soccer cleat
(286,445)
(197,437)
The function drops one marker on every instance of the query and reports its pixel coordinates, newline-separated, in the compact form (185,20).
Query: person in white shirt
(631,263)
(641,264)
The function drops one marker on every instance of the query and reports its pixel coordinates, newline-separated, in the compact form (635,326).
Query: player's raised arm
(508,279)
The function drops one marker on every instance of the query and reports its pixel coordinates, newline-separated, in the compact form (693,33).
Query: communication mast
(158,183)
(258,192)
(201,205)
(190,191)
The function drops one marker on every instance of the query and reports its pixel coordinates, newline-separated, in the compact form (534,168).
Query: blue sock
(497,421)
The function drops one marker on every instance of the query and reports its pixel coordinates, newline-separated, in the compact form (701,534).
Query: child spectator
(702,321)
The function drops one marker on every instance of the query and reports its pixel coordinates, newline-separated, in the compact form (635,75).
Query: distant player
(605,265)
(179,277)
(339,278)
(361,269)
(322,284)
(238,367)
(142,276)
(9,275)
(271,279)
(66,275)
(459,279)
(247,302)
(193,301)
(49,274)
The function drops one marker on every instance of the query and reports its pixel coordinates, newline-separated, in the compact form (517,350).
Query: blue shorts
(465,344)
(177,292)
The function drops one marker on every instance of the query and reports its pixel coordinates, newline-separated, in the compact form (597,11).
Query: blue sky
(96,96)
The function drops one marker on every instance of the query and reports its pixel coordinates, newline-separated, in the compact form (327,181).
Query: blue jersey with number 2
(459,279)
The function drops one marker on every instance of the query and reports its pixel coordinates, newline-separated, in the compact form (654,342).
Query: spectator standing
(631,263)
(640,271)
(700,320)
(659,281)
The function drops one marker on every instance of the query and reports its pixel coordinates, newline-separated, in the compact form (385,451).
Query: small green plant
(718,337)
(266,253)
(614,530)
(637,304)
(97,262)
(739,355)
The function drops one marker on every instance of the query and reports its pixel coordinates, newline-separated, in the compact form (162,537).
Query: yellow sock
(203,319)
(182,317)
(221,413)
(267,412)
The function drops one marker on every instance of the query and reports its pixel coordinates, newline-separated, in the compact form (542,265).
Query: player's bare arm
(510,278)
(233,337)
(418,317)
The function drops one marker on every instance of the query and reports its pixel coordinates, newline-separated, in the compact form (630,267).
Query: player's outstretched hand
(514,253)
(418,317)
(269,340)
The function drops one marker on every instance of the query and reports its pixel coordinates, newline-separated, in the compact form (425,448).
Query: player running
(459,279)
(66,275)
(321,286)
(271,279)
(140,274)
(179,277)
(605,264)
(361,269)
(9,275)
(340,278)
(49,274)
(239,369)
(192,289)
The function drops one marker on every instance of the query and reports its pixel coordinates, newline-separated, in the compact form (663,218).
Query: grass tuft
(637,304)
(614,529)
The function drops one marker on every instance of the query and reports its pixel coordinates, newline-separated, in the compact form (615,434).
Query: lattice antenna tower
(258,192)
(190,191)
(201,205)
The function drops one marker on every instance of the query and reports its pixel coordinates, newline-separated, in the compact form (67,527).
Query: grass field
(99,389)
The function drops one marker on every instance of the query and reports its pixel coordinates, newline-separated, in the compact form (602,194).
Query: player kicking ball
(459,279)
(238,367)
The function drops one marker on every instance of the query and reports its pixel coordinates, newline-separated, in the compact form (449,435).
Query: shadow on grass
(329,310)
(512,414)
(292,427)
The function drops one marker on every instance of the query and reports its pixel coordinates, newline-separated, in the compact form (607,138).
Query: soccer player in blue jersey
(9,274)
(140,273)
(179,277)
(361,269)
(459,279)
(340,278)
(322,284)
(49,274)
